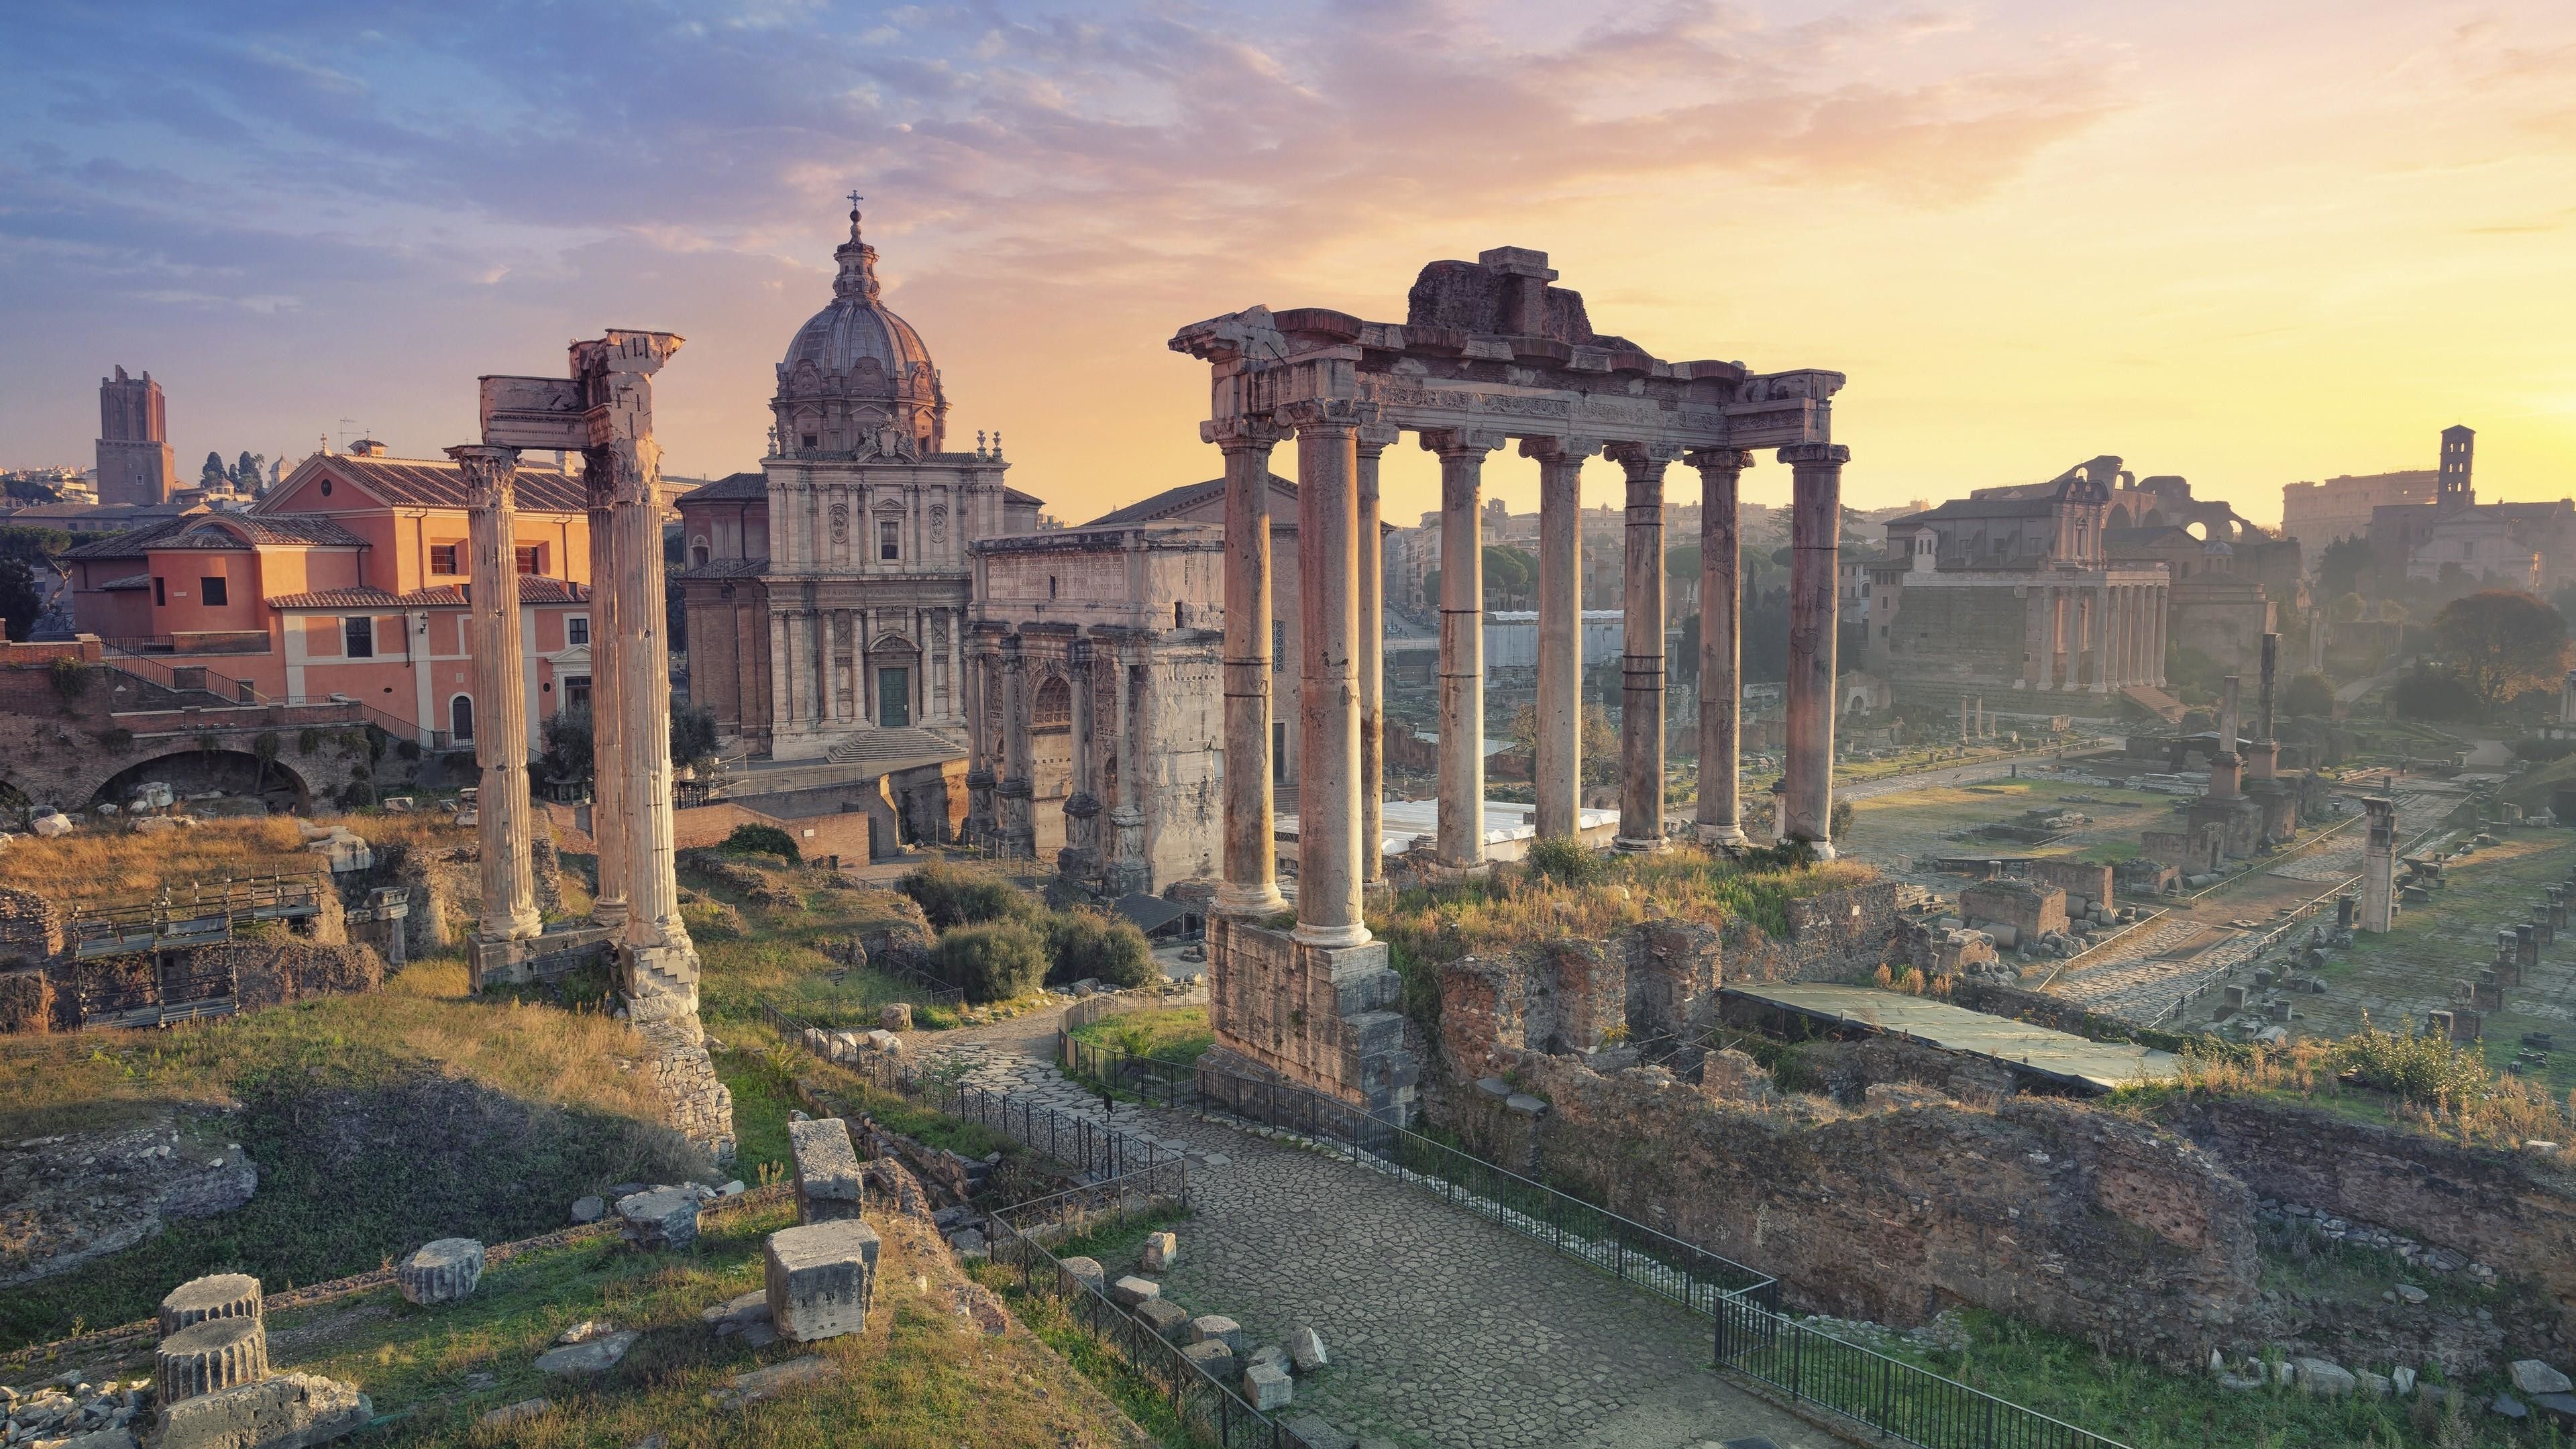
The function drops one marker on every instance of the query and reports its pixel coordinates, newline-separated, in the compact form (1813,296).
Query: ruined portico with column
(1490,355)
(604,408)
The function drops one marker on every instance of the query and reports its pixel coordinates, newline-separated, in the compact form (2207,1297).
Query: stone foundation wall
(1324,1019)
(1843,935)
(2033,911)
(700,1106)
(2079,879)
(2094,1225)
(1654,984)
(2482,1203)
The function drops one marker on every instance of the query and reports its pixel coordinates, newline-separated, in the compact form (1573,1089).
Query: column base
(1730,836)
(1645,845)
(1331,938)
(1249,902)
(609,915)
(509,928)
(1824,849)
(1445,872)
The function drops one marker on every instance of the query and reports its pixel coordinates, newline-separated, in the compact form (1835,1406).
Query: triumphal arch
(1490,353)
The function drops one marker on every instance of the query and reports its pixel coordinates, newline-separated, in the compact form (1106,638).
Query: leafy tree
(953,895)
(248,470)
(1681,565)
(212,475)
(2430,692)
(567,746)
(1510,575)
(28,490)
(1431,587)
(2500,643)
(997,962)
(693,733)
(33,546)
(2349,606)
(762,840)
(1091,945)
(2341,568)
(2310,693)
(1600,740)
(19,601)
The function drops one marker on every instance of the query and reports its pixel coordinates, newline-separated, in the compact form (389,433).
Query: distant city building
(2513,545)
(2318,514)
(134,460)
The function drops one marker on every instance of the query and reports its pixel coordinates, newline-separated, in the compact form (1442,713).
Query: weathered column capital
(491,474)
(1643,460)
(1459,442)
(1323,414)
(1252,432)
(1720,460)
(1560,450)
(1815,454)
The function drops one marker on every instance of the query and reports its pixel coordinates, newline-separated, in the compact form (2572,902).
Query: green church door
(894,698)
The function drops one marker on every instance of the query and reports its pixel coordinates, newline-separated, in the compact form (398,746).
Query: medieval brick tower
(134,461)
(2459,444)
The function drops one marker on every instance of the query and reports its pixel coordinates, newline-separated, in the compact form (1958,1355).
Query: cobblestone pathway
(1445,1329)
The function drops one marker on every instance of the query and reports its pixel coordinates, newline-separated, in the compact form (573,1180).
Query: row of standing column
(1340,593)
(813,647)
(2121,626)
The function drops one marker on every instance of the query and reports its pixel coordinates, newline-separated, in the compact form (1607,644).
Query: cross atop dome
(855,199)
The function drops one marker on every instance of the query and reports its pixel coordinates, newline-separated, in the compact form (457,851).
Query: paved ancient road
(1445,1330)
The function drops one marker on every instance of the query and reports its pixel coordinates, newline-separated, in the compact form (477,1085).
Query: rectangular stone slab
(828,1181)
(1165,1317)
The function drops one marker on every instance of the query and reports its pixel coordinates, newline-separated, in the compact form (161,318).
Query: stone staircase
(882,746)
(2155,702)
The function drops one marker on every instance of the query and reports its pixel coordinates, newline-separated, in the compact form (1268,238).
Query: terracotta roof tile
(533,589)
(438,483)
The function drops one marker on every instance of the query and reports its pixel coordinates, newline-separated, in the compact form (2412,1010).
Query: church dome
(857,378)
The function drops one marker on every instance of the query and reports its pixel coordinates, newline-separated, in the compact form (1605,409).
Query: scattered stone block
(746,1317)
(1217,1328)
(1306,1349)
(1314,1433)
(821,1278)
(1524,1104)
(208,1357)
(967,1241)
(2326,1380)
(2534,1377)
(895,1016)
(442,1271)
(1084,1272)
(1213,1358)
(518,1413)
(1266,1387)
(1269,1353)
(2561,1407)
(828,1182)
(589,1209)
(2410,1294)
(2506,1405)
(2403,1380)
(289,1411)
(589,1354)
(222,1295)
(1161,1251)
(754,1385)
(2375,1385)
(1132,1290)
(666,1217)
(93,1439)
(1166,1318)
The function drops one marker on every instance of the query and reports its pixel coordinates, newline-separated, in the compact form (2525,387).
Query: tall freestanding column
(1328,703)
(1019,832)
(2227,767)
(1082,854)
(1815,533)
(2097,636)
(1641,659)
(1370,584)
(980,745)
(2264,759)
(661,961)
(2379,865)
(1557,772)
(1721,625)
(607,710)
(1127,871)
(1250,886)
(502,810)
(1461,842)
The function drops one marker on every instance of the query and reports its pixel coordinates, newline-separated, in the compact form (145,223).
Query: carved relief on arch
(1053,706)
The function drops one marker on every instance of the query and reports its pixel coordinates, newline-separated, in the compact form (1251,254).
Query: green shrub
(952,895)
(1091,945)
(991,962)
(2310,693)
(2418,1068)
(762,840)
(2542,751)
(1564,858)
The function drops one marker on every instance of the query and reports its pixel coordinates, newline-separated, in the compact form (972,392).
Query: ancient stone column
(2379,865)
(2097,637)
(1815,533)
(661,960)
(1250,887)
(607,695)
(1721,623)
(1328,704)
(502,808)
(2226,769)
(1019,832)
(1373,440)
(1641,660)
(2265,755)
(1557,772)
(980,755)
(2156,665)
(1128,870)
(1461,842)
(1080,858)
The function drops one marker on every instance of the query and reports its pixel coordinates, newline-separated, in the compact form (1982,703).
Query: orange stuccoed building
(348,578)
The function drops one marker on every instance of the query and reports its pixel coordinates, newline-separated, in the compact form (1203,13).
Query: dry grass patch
(112,865)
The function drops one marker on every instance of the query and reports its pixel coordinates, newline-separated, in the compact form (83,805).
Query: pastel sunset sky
(2247,243)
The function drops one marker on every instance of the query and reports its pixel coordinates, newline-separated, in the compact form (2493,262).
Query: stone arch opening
(1053,709)
(274,783)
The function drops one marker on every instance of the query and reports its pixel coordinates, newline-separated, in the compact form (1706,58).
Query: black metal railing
(1754,1337)
(1207,1408)
(1888,1394)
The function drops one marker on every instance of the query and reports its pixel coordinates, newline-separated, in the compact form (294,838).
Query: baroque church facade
(828,595)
